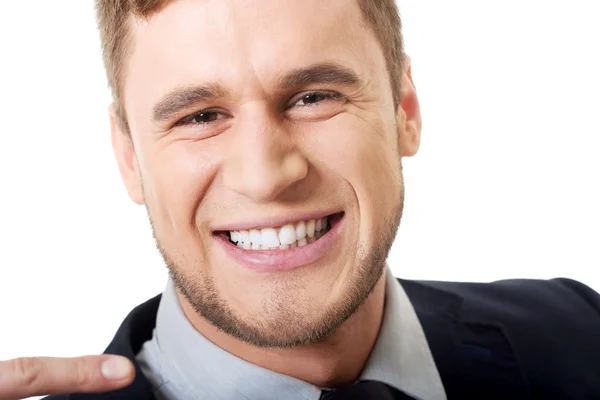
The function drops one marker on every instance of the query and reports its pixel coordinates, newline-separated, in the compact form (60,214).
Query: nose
(262,160)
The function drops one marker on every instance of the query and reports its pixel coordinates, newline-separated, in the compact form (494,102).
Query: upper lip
(272,222)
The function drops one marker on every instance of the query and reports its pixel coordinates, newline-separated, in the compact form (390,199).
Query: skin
(37,376)
(317,323)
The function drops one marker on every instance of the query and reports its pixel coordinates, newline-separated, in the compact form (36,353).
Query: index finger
(38,376)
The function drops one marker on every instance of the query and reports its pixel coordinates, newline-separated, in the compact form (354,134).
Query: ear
(409,114)
(126,159)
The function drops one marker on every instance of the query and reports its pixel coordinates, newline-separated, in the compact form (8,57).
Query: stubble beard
(285,327)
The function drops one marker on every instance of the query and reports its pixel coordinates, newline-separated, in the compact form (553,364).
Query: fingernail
(116,368)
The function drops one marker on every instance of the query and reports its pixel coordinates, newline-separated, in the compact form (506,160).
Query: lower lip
(283,260)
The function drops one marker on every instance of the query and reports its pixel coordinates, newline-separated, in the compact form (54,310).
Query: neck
(336,361)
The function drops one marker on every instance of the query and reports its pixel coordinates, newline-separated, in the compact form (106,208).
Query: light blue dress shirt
(182,364)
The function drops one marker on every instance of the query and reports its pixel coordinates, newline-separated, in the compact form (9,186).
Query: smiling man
(268,158)
(265,139)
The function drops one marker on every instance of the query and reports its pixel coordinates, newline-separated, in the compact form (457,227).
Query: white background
(506,183)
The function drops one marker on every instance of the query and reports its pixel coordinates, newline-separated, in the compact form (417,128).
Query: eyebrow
(319,74)
(180,99)
(184,98)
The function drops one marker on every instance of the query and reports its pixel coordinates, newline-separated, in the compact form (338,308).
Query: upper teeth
(287,236)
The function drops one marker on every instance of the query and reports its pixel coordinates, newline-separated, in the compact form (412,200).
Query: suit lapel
(438,313)
(136,329)
(474,358)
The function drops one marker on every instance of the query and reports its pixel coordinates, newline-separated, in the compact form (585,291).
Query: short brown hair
(112,15)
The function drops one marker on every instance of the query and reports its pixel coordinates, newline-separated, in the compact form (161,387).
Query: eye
(201,118)
(313,98)
(316,105)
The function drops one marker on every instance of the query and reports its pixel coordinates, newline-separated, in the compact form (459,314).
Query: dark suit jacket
(512,339)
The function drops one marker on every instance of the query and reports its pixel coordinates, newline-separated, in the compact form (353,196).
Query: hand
(40,376)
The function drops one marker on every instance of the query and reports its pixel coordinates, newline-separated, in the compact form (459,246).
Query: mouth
(283,248)
(289,236)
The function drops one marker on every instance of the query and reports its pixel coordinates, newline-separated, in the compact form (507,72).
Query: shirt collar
(400,358)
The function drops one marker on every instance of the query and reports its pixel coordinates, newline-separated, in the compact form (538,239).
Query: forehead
(245,43)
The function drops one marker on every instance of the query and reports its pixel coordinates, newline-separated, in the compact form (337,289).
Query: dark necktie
(366,390)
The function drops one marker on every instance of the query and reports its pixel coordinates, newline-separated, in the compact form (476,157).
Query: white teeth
(286,237)
(300,230)
(287,234)
(310,228)
(255,236)
(270,237)
(245,236)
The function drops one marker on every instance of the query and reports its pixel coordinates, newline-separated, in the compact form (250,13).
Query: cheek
(365,155)
(175,183)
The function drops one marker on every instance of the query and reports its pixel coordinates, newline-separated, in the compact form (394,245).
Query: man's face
(254,115)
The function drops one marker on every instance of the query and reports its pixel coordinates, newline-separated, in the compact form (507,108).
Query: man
(265,139)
